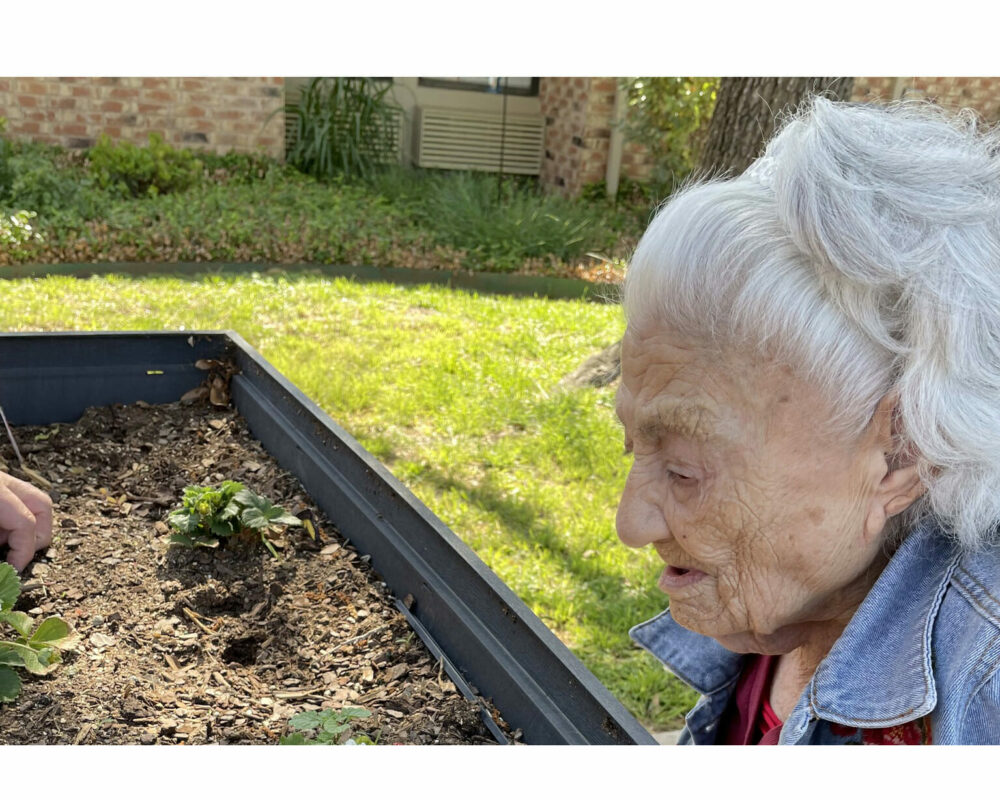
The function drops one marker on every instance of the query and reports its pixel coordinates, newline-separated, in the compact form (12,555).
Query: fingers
(25,520)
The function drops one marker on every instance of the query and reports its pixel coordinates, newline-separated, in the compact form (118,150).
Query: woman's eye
(680,478)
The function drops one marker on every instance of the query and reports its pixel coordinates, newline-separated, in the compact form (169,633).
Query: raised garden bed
(226,645)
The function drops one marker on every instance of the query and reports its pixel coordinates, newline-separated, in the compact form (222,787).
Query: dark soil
(207,646)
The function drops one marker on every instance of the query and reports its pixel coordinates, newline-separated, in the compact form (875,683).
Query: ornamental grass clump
(33,648)
(210,515)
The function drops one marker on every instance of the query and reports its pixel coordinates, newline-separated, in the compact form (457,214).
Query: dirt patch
(200,646)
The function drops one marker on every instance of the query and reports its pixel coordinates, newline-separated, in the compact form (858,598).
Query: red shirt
(750,718)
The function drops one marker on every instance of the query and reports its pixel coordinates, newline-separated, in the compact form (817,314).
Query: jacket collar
(877,674)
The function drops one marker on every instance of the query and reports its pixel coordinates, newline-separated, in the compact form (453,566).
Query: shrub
(464,211)
(240,168)
(343,126)
(143,171)
(670,116)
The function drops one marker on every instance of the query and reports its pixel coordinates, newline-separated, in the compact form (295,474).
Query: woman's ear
(900,485)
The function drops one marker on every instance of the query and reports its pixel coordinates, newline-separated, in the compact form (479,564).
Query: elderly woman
(811,392)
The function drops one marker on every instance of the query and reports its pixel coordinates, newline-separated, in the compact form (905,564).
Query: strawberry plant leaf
(10,685)
(254,518)
(10,587)
(181,539)
(286,519)
(306,721)
(295,738)
(9,656)
(53,632)
(19,621)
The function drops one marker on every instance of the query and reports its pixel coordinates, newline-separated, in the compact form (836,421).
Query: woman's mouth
(674,578)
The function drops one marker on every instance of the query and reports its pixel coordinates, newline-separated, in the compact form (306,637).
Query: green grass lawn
(457,395)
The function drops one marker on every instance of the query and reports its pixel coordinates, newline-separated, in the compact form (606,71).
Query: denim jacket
(919,662)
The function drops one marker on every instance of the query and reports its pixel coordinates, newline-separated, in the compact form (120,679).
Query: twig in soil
(194,618)
(365,635)
(313,692)
(83,733)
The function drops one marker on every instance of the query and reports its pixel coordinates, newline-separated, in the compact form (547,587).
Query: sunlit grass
(457,395)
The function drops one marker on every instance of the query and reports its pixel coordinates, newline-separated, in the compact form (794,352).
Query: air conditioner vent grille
(452,139)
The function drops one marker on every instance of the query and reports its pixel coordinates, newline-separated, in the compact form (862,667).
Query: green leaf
(181,539)
(10,587)
(306,721)
(354,713)
(333,726)
(53,632)
(37,662)
(10,685)
(254,518)
(286,519)
(9,656)
(19,621)
(295,738)
(184,521)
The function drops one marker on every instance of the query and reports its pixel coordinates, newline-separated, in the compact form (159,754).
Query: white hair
(862,249)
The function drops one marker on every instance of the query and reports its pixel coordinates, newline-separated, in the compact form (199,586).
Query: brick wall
(979,93)
(216,114)
(578,117)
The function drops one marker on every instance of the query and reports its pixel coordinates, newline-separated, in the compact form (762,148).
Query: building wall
(981,94)
(579,113)
(215,114)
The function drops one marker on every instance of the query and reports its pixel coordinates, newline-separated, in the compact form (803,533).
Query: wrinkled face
(758,512)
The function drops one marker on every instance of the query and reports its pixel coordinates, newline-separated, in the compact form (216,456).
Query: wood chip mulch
(208,646)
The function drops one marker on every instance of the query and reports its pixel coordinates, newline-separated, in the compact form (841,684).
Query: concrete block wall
(215,114)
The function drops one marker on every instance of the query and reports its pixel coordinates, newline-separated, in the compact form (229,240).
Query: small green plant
(343,127)
(134,171)
(329,725)
(36,649)
(208,515)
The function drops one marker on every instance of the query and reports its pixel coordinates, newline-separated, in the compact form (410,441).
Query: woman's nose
(639,520)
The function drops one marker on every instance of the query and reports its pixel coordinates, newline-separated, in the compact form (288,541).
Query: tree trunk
(745,113)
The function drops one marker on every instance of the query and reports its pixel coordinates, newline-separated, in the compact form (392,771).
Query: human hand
(25,520)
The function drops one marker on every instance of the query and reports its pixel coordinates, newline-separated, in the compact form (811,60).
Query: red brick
(191,111)
(193,84)
(113,131)
(4,86)
(27,101)
(72,129)
(25,127)
(111,106)
(82,91)
(155,83)
(164,97)
(150,108)
(125,94)
(229,113)
(36,87)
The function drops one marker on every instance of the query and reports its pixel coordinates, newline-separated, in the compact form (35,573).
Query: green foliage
(670,116)
(241,168)
(466,211)
(343,126)
(16,230)
(143,171)
(330,727)
(35,649)
(209,515)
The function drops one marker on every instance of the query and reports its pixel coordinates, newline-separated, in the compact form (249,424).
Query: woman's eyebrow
(692,420)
